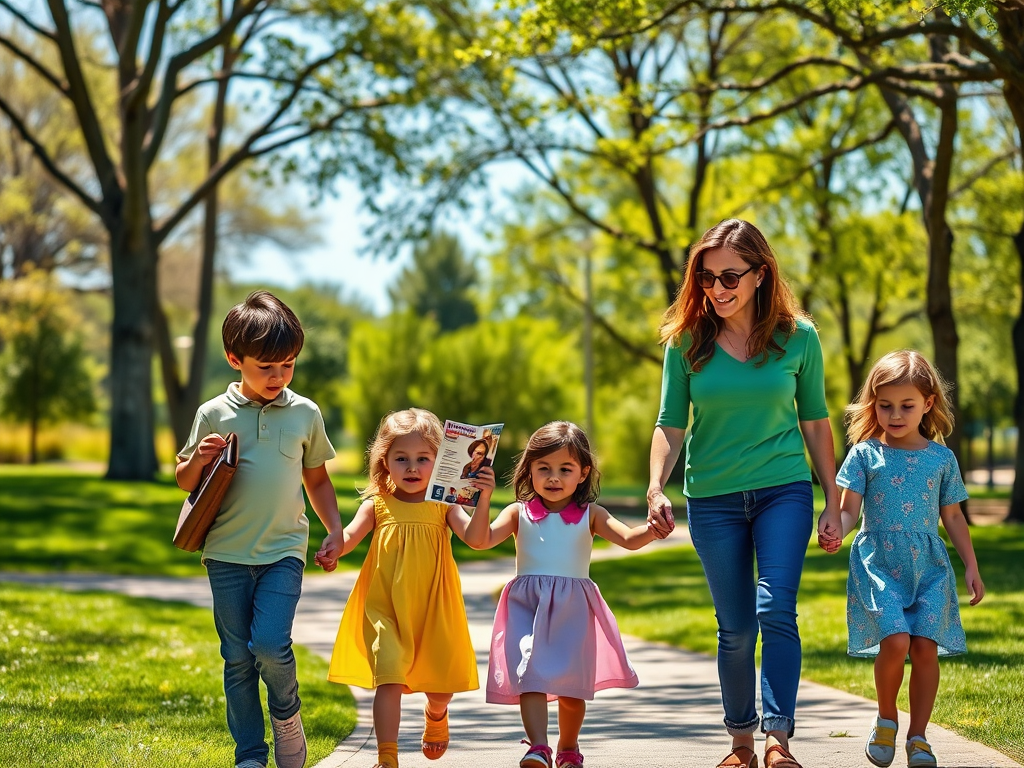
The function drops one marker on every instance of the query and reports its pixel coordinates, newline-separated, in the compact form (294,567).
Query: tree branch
(41,69)
(246,152)
(162,110)
(48,34)
(47,161)
(78,92)
(635,350)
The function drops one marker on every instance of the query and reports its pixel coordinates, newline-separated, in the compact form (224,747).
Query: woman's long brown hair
(776,309)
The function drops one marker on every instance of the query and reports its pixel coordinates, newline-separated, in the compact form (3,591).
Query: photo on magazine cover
(465,449)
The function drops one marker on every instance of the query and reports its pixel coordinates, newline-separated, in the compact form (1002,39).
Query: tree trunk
(1017,496)
(183,398)
(33,440)
(132,452)
(1011,32)
(932,180)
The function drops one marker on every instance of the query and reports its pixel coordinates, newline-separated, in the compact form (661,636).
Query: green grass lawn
(57,519)
(663,596)
(91,680)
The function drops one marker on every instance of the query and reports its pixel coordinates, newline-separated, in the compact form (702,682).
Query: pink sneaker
(569,758)
(537,756)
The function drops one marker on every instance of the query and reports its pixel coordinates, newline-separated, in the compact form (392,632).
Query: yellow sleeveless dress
(405,621)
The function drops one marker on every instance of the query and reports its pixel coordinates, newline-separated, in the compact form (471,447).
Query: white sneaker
(919,753)
(289,742)
(881,746)
(250,763)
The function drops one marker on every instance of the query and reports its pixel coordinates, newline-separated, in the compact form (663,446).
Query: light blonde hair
(393,426)
(552,437)
(775,308)
(904,366)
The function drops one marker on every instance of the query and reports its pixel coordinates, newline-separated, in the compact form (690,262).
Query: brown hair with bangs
(904,366)
(552,437)
(393,426)
(264,328)
(776,309)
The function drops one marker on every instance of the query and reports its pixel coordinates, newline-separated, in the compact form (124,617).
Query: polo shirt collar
(236,398)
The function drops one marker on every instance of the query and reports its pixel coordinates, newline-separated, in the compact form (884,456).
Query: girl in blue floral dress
(901,588)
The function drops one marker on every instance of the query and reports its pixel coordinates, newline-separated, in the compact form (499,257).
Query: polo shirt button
(264,426)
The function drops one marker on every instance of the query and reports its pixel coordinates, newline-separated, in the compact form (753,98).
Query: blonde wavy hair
(393,426)
(904,366)
(776,308)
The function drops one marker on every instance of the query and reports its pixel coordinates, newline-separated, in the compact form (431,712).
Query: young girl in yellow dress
(404,628)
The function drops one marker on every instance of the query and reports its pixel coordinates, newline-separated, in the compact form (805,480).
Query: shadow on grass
(60,520)
(100,679)
(663,596)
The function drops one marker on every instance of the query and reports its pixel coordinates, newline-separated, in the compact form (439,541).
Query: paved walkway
(673,720)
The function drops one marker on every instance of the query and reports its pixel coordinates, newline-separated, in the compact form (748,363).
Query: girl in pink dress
(554,636)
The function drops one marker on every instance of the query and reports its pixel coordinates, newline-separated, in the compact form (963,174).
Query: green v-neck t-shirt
(745,432)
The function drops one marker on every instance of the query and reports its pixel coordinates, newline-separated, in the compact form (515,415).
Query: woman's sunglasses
(729,280)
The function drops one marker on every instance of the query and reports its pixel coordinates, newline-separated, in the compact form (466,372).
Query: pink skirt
(555,635)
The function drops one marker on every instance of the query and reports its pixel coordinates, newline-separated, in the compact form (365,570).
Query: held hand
(660,520)
(209,448)
(975,586)
(325,562)
(330,550)
(830,530)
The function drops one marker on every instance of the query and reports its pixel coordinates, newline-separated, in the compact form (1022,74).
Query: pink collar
(536,511)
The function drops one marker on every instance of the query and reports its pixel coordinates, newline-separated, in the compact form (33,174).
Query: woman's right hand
(660,519)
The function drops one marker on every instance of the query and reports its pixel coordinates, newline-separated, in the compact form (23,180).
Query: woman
(477,458)
(742,353)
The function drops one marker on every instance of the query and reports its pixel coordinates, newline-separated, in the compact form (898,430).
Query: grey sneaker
(289,742)
(881,746)
(250,764)
(919,753)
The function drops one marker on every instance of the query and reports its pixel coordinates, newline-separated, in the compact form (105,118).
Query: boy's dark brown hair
(262,327)
(548,439)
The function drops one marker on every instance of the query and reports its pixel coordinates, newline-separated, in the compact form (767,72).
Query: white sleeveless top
(553,547)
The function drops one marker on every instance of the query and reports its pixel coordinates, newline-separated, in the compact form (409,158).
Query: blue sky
(338,260)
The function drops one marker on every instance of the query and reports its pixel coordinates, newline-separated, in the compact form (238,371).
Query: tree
(41,226)
(438,283)
(302,72)
(511,370)
(46,373)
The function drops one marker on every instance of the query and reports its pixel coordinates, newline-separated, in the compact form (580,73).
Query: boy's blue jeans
(728,532)
(253,608)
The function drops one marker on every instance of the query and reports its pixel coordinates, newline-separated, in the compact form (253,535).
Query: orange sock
(387,753)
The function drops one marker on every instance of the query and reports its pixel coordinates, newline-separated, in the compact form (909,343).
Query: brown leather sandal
(784,760)
(735,761)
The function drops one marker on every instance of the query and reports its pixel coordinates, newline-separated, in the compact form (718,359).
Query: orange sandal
(435,736)
(785,760)
(735,761)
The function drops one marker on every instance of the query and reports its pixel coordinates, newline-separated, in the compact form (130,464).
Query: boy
(255,552)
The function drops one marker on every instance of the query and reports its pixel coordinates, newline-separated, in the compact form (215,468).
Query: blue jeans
(253,608)
(728,532)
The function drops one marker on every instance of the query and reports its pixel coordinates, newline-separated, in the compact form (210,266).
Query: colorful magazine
(465,448)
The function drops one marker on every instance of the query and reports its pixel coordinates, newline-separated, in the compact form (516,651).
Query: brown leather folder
(202,505)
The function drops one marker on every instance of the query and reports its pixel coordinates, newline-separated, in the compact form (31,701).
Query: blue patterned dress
(900,577)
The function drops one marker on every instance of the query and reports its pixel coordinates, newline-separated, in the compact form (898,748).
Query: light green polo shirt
(263,517)
(745,433)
